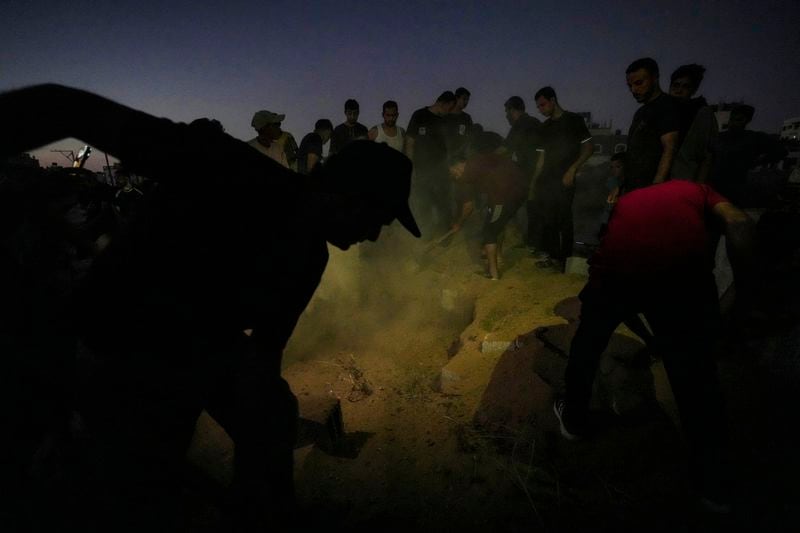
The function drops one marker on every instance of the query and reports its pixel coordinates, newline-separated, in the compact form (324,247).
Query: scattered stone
(577,265)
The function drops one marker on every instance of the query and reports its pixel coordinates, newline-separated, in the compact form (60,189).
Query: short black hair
(389,104)
(461,91)
(692,71)
(619,156)
(647,63)
(548,92)
(351,104)
(323,124)
(515,102)
(446,97)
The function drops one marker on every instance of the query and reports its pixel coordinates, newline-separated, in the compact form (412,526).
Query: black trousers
(684,317)
(554,217)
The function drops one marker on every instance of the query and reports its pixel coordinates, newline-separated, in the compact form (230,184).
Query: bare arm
(467,208)
(669,142)
(740,243)
(311,161)
(409,147)
(42,114)
(587,149)
(705,167)
(537,171)
(372,134)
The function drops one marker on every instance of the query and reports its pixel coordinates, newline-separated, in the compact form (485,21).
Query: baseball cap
(381,173)
(263,118)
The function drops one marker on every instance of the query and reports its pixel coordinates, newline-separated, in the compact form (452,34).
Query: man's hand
(613,196)
(569,177)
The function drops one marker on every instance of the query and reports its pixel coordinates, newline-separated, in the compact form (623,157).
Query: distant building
(23,160)
(607,141)
(791,129)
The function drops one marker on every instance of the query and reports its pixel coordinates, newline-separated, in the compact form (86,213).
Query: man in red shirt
(503,183)
(655,259)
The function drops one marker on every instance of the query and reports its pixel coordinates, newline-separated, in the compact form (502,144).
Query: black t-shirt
(651,121)
(311,144)
(344,134)
(522,142)
(735,154)
(458,127)
(562,139)
(429,132)
(687,110)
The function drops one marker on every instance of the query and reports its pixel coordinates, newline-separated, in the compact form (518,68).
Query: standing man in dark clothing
(738,150)
(522,143)
(310,152)
(655,259)
(208,263)
(653,135)
(349,130)
(459,125)
(698,126)
(426,146)
(567,146)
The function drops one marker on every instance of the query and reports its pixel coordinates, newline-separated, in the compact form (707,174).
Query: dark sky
(225,60)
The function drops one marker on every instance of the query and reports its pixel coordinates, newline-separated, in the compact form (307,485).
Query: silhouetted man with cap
(205,264)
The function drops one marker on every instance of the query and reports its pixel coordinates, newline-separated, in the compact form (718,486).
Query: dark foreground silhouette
(107,367)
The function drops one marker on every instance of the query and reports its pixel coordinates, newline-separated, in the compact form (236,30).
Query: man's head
(462,99)
(618,164)
(267,124)
(445,103)
(351,111)
(323,127)
(369,184)
(685,81)
(741,115)
(122,177)
(546,101)
(515,108)
(642,79)
(390,113)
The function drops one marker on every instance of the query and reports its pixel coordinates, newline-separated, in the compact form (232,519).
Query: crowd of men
(677,187)
(673,135)
(213,300)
